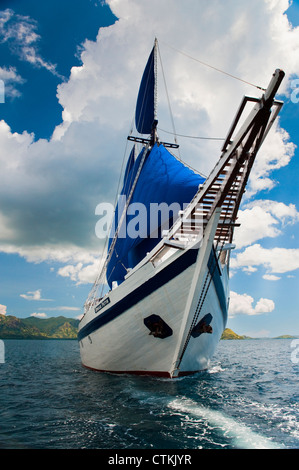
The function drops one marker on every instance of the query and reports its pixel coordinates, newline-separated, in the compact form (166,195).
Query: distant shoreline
(12,327)
(60,327)
(229,334)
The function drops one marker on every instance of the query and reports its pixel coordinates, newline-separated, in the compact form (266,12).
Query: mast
(154,137)
(156,79)
(146,107)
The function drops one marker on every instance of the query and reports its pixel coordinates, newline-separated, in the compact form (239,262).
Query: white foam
(215,369)
(242,436)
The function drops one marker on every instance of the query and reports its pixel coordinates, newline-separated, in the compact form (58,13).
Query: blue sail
(128,171)
(163,179)
(145,106)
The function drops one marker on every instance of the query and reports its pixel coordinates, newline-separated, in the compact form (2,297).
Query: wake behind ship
(168,297)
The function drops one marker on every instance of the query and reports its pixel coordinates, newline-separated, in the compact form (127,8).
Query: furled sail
(164,184)
(145,106)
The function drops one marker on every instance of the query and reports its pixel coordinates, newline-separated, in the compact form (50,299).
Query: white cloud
(81,274)
(52,209)
(61,308)
(85,267)
(34,295)
(3,309)
(255,224)
(271,277)
(60,182)
(39,315)
(263,218)
(249,269)
(275,260)
(52,252)
(11,81)
(20,33)
(275,155)
(242,304)
(6,231)
(287,214)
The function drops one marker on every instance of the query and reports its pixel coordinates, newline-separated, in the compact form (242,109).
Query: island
(60,327)
(230,334)
(12,327)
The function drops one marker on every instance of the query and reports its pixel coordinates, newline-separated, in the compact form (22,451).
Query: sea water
(248,399)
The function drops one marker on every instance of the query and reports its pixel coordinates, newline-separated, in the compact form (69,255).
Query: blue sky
(62,27)
(69,103)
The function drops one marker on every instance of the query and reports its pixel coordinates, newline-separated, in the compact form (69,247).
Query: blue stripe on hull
(216,276)
(163,277)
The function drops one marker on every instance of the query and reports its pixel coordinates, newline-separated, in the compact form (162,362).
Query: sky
(71,72)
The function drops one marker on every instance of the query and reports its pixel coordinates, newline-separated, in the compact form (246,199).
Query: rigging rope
(96,284)
(168,100)
(215,68)
(191,136)
(99,279)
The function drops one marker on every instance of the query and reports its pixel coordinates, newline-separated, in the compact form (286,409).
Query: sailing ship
(168,287)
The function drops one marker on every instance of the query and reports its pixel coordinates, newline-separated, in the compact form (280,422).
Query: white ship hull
(116,339)
(167,314)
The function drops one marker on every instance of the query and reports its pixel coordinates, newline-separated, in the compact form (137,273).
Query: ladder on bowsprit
(226,183)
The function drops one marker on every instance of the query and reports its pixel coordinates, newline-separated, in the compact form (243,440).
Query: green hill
(286,337)
(38,328)
(62,328)
(230,334)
